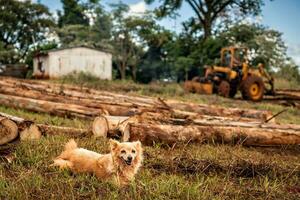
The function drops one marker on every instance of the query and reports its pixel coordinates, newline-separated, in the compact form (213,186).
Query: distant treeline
(142,49)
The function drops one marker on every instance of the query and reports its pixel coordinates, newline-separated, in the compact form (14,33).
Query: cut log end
(8,130)
(31,133)
(100,127)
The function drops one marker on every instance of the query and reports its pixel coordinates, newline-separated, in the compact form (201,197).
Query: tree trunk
(171,134)
(133,71)
(207,29)
(123,71)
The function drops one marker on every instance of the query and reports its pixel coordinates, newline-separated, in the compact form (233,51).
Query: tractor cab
(233,56)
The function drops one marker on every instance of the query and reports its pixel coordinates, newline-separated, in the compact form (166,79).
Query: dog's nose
(129,158)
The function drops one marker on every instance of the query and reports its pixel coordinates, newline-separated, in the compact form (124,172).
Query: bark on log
(58,130)
(8,130)
(171,134)
(59,109)
(219,111)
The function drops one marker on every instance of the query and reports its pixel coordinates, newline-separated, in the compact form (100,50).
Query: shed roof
(45,53)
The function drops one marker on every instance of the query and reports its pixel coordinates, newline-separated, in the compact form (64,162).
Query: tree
(208,11)
(84,23)
(124,45)
(265,45)
(73,13)
(22,24)
(289,71)
(183,65)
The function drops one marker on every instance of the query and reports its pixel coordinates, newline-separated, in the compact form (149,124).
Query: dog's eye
(123,151)
(133,151)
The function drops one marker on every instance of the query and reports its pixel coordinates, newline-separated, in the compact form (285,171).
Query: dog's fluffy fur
(122,163)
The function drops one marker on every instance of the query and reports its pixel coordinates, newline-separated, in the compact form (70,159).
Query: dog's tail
(71,144)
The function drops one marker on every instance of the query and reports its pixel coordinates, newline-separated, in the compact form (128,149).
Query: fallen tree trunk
(8,130)
(171,134)
(115,126)
(54,108)
(58,130)
(218,111)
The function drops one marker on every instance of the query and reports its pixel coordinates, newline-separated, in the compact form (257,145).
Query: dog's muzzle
(128,161)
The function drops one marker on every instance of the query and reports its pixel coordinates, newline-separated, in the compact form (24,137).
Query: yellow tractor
(232,75)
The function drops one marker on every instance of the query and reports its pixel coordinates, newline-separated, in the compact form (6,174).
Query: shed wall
(80,59)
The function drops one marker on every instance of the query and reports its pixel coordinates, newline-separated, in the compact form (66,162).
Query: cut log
(219,111)
(100,127)
(111,126)
(31,133)
(59,109)
(8,130)
(58,130)
(171,134)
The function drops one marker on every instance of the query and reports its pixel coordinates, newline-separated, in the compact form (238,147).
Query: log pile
(83,102)
(131,118)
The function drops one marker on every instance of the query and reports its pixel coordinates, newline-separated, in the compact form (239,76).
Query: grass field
(208,171)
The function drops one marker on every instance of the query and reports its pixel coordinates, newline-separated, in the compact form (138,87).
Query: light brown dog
(122,163)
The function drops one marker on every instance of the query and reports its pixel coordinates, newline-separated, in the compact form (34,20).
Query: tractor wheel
(224,89)
(253,88)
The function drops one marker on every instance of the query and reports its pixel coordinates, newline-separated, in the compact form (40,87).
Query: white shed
(60,62)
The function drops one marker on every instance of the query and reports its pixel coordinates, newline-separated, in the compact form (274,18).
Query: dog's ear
(138,144)
(113,144)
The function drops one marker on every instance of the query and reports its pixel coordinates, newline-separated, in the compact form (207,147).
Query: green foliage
(266,45)
(21,25)
(207,12)
(8,54)
(183,65)
(84,24)
(142,49)
(290,72)
(73,13)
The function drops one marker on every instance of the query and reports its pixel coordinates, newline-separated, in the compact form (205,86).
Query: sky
(281,15)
